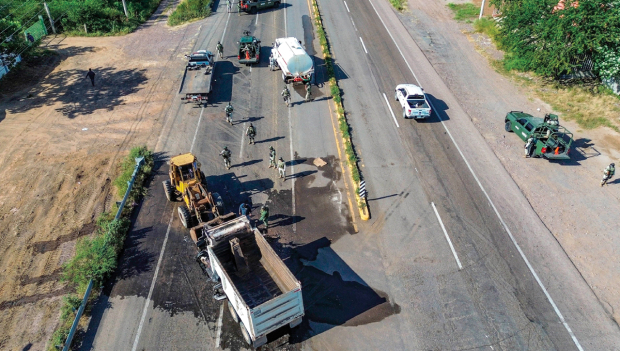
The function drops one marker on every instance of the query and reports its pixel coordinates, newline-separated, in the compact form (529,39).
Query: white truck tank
(297,66)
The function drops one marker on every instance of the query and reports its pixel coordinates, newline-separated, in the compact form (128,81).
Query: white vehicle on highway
(296,65)
(413,101)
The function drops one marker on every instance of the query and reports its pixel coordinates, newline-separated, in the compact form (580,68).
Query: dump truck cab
(553,140)
(187,181)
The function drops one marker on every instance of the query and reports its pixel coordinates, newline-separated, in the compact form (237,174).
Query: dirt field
(60,143)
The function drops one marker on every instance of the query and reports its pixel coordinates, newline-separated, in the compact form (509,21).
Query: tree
(544,37)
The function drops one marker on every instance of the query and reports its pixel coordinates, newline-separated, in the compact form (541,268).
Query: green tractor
(249,49)
(553,141)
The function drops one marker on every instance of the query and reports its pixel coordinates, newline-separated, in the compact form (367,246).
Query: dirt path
(566,195)
(60,141)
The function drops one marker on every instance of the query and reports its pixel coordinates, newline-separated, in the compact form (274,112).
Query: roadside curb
(362,203)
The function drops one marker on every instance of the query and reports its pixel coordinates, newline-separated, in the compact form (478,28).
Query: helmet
(281,158)
(218,41)
(613,165)
(271,148)
(225,147)
(251,125)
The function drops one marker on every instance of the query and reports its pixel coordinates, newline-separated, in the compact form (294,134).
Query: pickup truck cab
(252,6)
(553,141)
(413,101)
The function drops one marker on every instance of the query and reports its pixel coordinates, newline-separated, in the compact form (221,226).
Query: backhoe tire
(246,334)
(168,189)
(219,204)
(185,216)
(508,127)
(232,311)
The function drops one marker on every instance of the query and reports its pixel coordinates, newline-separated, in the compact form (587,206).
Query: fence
(80,311)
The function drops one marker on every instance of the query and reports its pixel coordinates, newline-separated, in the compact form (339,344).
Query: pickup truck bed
(257,286)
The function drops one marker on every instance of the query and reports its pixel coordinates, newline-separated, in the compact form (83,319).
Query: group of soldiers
(280,165)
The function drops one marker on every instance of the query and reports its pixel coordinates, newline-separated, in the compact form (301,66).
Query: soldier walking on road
(226,155)
(287,95)
(228,6)
(282,168)
(220,50)
(608,172)
(272,157)
(264,217)
(309,92)
(530,146)
(251,133)
(91,75)
(239,7)
(229,110)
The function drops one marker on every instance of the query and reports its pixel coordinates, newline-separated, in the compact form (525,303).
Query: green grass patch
(398,4)
(487,26)
(96,256)
(190,10)
(466,11)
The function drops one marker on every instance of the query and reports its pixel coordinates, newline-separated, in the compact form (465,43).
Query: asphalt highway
(453,258)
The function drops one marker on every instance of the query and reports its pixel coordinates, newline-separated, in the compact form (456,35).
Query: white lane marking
(353,24)
(345,5)
(148,298)
(285,28)
(219,327)
(458,262)
(196,132)
(225,27)
(390,108)
(512,238)
(242,141)
(256,23)
(290,131)
(366,51)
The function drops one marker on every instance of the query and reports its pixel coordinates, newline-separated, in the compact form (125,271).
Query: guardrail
(80,311)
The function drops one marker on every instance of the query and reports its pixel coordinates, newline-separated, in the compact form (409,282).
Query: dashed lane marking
(458,262)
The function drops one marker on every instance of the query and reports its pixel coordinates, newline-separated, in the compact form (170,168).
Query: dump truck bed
(196,81)
(257,285)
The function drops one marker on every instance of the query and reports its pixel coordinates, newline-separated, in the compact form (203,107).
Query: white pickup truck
(413,101)
(263,295)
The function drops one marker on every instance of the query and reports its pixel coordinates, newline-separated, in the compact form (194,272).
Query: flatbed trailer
(198,77)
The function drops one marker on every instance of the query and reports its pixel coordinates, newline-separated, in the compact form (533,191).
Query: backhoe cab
(188,181)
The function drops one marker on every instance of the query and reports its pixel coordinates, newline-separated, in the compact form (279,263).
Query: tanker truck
(296,65)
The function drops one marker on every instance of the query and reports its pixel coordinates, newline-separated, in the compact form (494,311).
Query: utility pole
(47,9)
(125,8)
(479,17)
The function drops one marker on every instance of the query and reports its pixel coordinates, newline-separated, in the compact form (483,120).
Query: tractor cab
(188,181)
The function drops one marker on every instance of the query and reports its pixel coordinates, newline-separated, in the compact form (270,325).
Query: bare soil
(582,216)
(61,140)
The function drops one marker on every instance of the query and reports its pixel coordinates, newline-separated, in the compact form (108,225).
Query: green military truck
(553,141)
(252,6)
(248,49)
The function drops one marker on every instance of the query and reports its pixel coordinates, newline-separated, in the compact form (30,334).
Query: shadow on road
(333,293)
(269,140)
(439,110)
(222,83)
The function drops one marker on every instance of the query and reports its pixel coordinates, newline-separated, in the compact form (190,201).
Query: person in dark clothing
(30,37)
(91,75)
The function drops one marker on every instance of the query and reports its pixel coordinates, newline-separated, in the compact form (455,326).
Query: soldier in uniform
(529,146)
(229,109)
(272,157)
(282,168)
(226,155)
(286,94)
(608,172)
(264,217)
(220,50)
(251,133)
(308,92)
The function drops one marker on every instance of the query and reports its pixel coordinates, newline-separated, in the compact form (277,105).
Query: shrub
(464,11)
(190,10)
(487,26)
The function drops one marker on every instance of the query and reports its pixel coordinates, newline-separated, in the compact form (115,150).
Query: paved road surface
(394,285)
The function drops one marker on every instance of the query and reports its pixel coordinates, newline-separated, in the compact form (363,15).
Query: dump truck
(249,49)
(187,181)
(296,65)
(261,292)
(553,141)
(198,77)
(252,6)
